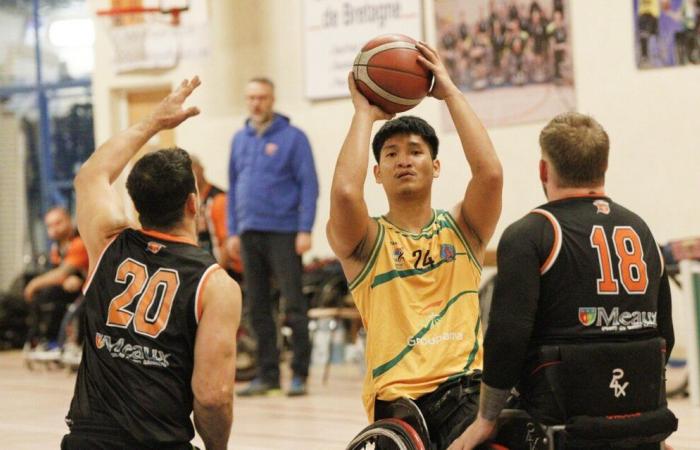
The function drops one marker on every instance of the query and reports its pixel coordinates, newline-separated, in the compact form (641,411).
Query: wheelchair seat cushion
(607,379)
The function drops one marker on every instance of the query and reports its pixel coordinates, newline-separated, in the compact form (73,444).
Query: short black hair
(159,185)
(405,125)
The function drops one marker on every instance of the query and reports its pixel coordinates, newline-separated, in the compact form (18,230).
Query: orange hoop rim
(175,12)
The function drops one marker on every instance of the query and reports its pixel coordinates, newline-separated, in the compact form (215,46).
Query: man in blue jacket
(271,208)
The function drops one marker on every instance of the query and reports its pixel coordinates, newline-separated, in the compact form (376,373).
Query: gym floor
(34,404)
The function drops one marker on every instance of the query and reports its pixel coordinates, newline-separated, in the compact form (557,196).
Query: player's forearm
(51,278)
(477,145)
(492,401)
(351,167)
(111,157)
(213,423)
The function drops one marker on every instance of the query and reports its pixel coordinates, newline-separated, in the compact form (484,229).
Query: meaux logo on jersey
(616,320)
(139,354)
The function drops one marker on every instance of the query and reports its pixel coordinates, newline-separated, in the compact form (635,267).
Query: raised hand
(170,113)
(430,59)
(362,105)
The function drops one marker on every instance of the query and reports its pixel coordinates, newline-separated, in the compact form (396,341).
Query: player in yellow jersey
(414,272)
(648,13)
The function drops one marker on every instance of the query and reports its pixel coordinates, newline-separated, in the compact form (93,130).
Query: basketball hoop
(174,8)
(153,34)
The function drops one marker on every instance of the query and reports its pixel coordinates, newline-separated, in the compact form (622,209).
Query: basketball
(388,73)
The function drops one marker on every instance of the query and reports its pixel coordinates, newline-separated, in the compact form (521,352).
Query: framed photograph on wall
(666,33)
(512,57)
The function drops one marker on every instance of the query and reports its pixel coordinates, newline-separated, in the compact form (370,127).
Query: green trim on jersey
(372,258)
(376,372)
(424,229)
(472,354)
(390,275)
(456,229)
(426,232)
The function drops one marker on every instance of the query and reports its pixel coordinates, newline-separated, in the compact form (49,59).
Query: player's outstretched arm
(350,226)
(215,360)
(100,215)
(478,213)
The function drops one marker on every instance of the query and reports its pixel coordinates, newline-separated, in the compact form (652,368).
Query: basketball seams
(363,76)
(388,73)
(366,55)
(393,69)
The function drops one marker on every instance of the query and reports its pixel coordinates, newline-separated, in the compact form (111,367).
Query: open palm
(170,113)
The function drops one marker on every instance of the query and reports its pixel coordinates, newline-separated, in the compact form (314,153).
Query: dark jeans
(267,255)
(46,312)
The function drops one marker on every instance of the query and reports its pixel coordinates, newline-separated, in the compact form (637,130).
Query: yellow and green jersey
(418,299)
(650,7)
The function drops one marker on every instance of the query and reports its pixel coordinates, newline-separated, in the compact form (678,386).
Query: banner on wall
(511,57)
(336,30)
(667,32)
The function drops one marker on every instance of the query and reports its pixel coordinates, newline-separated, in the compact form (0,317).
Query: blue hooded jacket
(272,180)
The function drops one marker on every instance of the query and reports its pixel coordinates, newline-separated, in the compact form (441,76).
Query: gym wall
(651,116)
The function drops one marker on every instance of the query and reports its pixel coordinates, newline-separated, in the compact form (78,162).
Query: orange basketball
(388,73)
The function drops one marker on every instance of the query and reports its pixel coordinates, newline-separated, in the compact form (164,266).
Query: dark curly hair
(159,185)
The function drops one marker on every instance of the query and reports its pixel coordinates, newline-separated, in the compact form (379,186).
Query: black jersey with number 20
(142,311)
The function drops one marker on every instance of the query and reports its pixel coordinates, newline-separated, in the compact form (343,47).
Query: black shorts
(648,25)
(100,437)
(450,408)
(88,441)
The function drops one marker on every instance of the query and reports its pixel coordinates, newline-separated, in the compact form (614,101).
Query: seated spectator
(50,293)
(211,223)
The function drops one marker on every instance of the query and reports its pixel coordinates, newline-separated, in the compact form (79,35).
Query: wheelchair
(401,427)
(625,378)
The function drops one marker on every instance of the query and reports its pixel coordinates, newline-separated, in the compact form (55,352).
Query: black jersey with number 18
(600,269)
(142,310)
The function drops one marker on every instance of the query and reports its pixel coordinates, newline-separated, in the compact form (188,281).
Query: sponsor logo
(397,255)
(587,316)
(99,341)
(447,252)
(154,247)
(618,389)
(616,320)
(437,339)
(602,207)
(137,354)
(271,148)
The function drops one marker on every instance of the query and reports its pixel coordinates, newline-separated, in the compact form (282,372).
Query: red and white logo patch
(603,207)
(154,247)
(271,148)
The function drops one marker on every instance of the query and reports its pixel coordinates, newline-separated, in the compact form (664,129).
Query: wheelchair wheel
(246,355)
(387,434)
